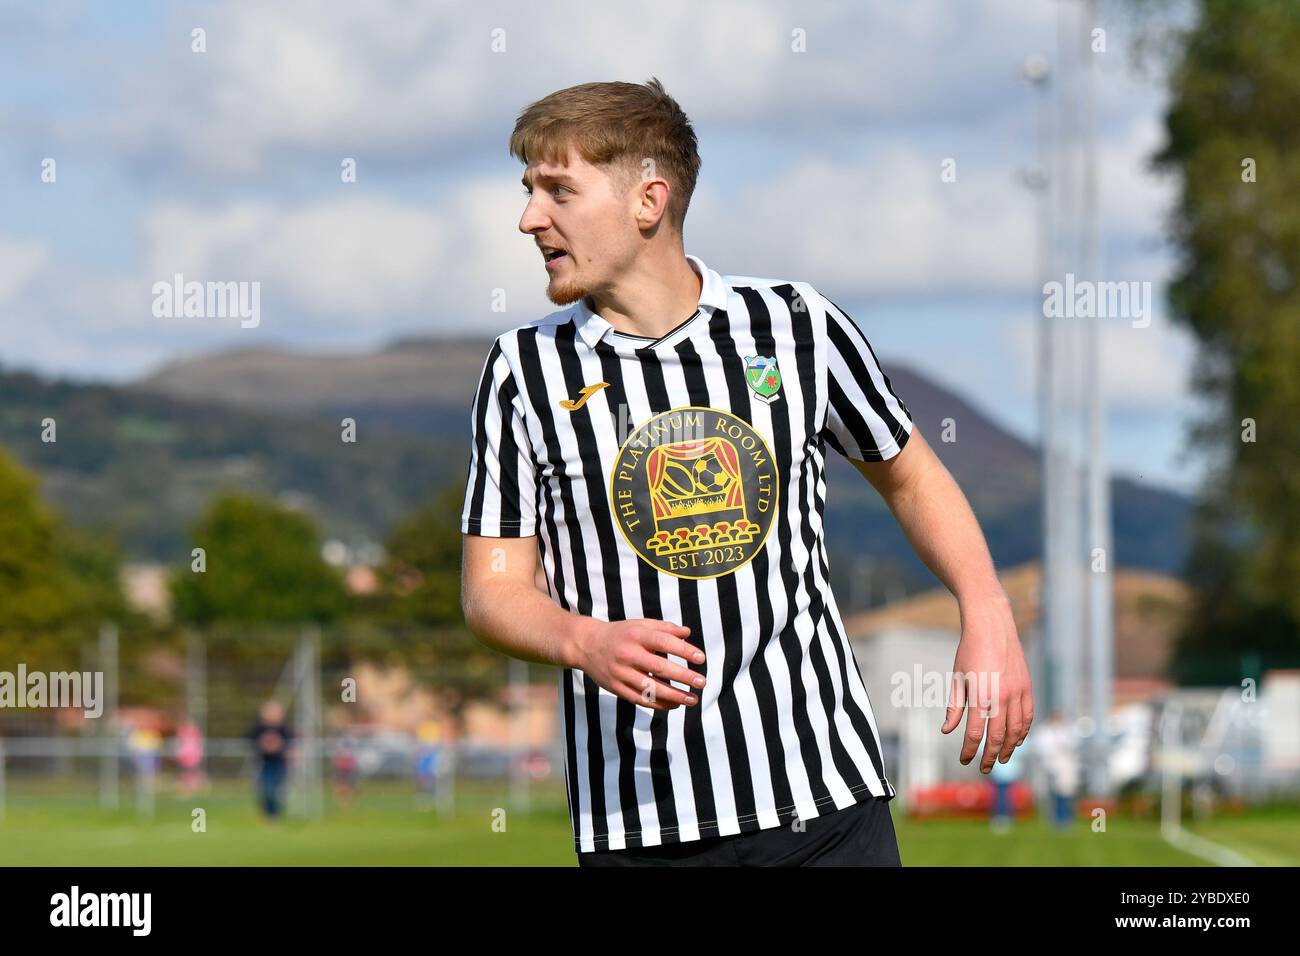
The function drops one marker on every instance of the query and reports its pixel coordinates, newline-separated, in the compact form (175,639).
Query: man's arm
(938,521)
(506,611)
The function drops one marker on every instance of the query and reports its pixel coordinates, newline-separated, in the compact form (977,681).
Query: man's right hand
(506,610)
(628,659)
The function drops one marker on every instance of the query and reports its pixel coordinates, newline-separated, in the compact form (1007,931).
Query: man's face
(586,214)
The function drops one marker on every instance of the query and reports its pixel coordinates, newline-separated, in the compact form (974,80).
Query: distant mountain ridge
(144,464)
(423,387)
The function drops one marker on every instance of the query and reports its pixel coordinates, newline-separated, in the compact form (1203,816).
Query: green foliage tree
(31,598)
(263,566)
(420,575)
(57,584)
(1232,138)
(419,602)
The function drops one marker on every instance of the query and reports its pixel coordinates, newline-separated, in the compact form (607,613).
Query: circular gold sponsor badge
(694,491)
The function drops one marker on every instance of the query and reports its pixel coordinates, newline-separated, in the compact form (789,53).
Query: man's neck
(663,292)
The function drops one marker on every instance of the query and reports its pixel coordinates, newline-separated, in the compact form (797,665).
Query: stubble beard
(565,291)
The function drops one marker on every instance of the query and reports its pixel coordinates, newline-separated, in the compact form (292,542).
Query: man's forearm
(938,521)
(520,621)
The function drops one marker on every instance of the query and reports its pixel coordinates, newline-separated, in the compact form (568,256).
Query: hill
(143,458)
(144,463)
(422,386)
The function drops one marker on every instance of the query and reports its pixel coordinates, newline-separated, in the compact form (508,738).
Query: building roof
(1149,610)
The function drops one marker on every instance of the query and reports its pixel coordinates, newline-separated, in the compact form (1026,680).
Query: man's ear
(652,192)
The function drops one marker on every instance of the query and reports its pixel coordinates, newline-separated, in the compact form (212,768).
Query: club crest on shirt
(694,492)
(763,376)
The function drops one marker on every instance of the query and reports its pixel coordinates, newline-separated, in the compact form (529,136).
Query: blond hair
(616,125)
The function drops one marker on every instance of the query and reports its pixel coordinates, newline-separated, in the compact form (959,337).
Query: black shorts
(860,835)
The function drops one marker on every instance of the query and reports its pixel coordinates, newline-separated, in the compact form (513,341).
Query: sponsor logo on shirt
(694,492)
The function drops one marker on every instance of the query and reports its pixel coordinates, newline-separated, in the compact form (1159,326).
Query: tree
(30,576)
(420,575)
(420,601)
(262,565)
(57,584)
(1232,137)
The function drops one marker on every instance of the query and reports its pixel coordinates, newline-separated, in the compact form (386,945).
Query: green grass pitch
(47,824)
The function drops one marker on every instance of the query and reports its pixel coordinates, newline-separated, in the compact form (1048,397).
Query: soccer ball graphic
(709,476)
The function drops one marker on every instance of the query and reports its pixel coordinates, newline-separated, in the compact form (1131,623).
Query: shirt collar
(713,295)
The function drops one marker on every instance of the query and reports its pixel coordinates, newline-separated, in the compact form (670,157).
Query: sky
(825,131)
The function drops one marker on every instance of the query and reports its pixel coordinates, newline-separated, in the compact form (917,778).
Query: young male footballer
(645,509)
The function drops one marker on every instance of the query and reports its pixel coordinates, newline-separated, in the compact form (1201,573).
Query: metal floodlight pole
(302,725)
(1057,453)
(307,697)
(108,760)
(318,727)
(1171,790)
(1037,72)
(1100,582)
(1055,504)
(1062,479)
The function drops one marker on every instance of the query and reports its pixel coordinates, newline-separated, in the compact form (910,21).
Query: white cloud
(296,85)
(361,263)
(359,267)
(397,81)
(886,224)
(349,270)
(1133,200)
(357,258)
(21,261)
(1142,369)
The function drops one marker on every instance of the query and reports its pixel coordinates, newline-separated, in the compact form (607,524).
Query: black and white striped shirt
(683,479)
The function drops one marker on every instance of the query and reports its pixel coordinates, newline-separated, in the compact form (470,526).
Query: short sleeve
(501,488)
(865,419)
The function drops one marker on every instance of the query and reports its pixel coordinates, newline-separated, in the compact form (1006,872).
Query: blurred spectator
(426,761)
(189,758)
(271,739)
(145,747)
(1003,776)
(346,772)
(1058,746)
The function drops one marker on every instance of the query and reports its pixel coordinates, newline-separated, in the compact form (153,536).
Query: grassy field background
(47,824)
